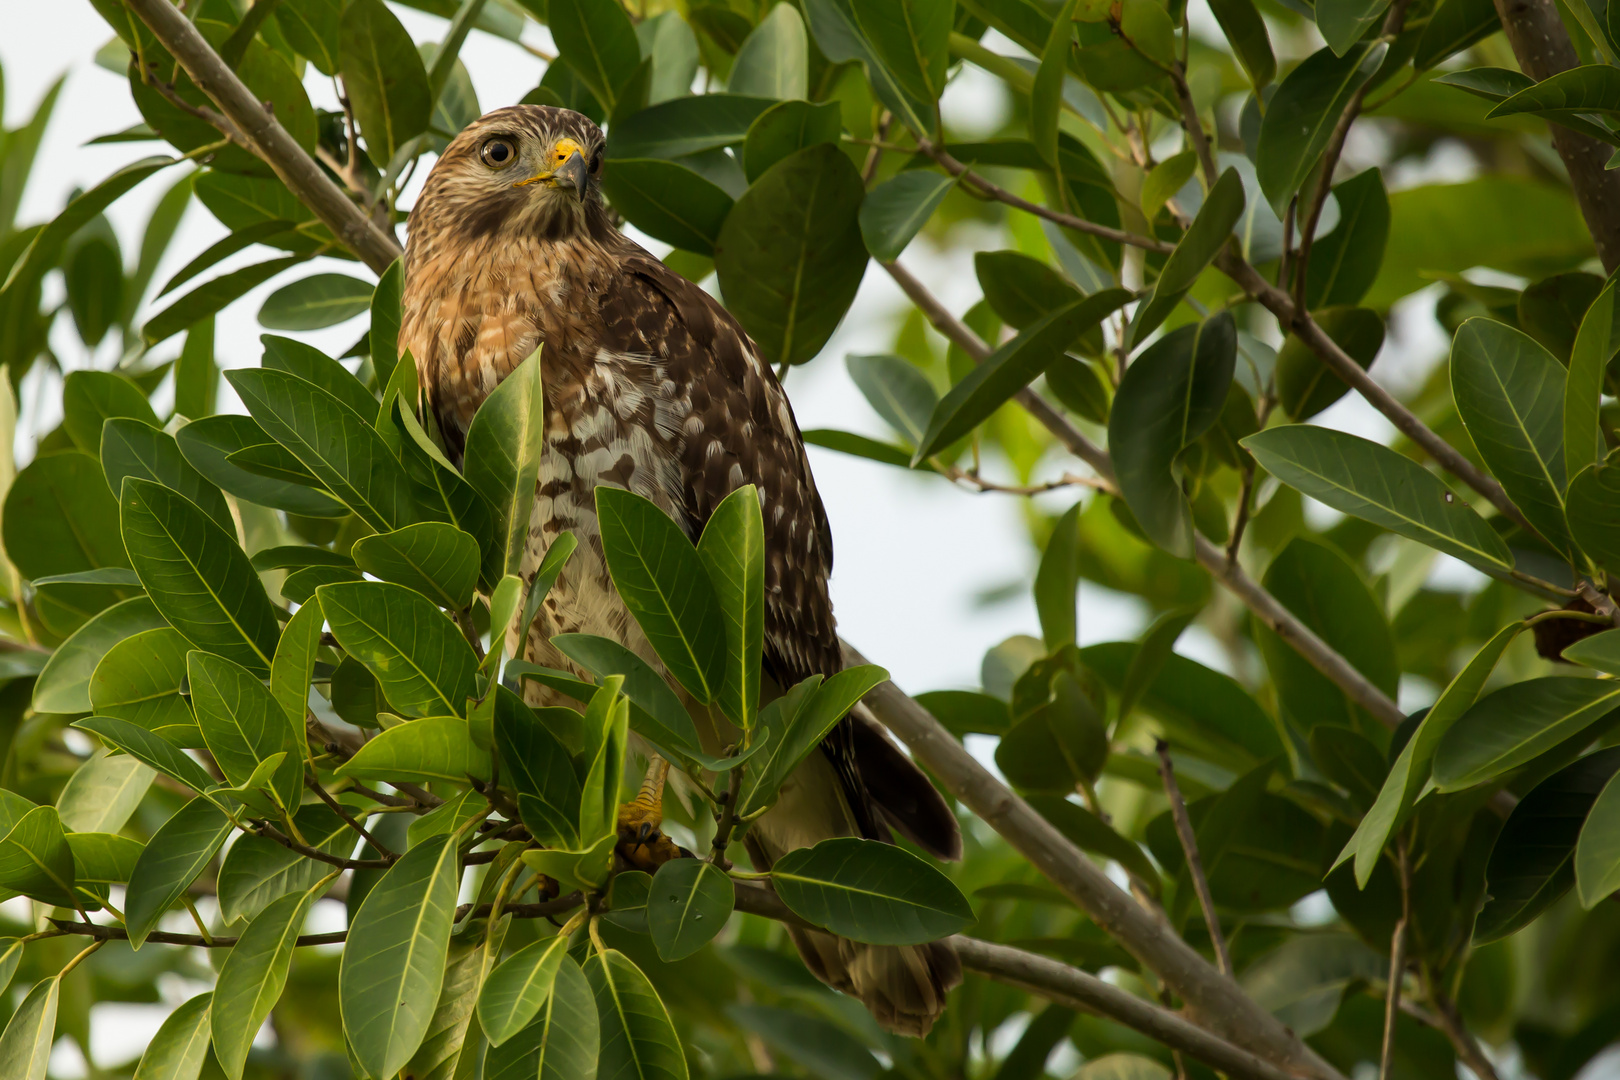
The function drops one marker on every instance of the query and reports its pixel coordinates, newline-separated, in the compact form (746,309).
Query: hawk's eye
(596,162)
(498,152)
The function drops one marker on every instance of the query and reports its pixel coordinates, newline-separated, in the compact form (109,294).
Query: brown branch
(1543,48)
(342,812)
(269,831)
(1192,125)
(265,135)
(1189,850)
(1397,968)
(1214,1001)
(1462,1042)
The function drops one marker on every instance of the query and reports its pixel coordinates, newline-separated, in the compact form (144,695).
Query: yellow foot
(642,843)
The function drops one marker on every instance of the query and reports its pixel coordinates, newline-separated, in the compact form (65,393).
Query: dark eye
(596,162)
(498,152)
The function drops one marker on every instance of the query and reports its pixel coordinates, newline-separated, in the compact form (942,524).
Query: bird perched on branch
(652,386)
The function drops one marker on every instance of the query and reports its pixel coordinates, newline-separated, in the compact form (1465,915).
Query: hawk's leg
(642,842)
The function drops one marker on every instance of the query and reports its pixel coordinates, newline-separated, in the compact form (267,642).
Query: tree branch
(268,139)
(1542,47)
(1213,999)
(1189,851)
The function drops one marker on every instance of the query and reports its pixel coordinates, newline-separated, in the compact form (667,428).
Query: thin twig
(269,831)
(1599,601)
(727,819)
(1451,1023)
(342,812)
(1397,965)
(1193,126)
(1189,850)
(874,156)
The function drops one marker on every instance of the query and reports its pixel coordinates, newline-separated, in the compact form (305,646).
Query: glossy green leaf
(25,1046)
(1164,180)
(1344,22)
(316,302)
(517,989)
(63,685)
(140,680)
(1591,88)
(90,398)
(535,763)
(790,255)
(1059,746)
(896,210)
(252,978)
(774,60)
(384,76)
(898,391)
(134,448)
(1597,852)
(103,793)
(666,588)
(1345,261)
(197,576)
(208,445)
(433,748)
(1454,26)
(1509,392)
(1596,343)
(869,891)
(668,201)
(1515,724)
(257,870)
(211,297)
(1088,832)
(786,128)
(393,963)
(838,34)
(503,460)
(154,751)
(1306,385)
(1372,482)
(908,39)
(59,519)
(1012,367)
(243,726)
(35,859)
(1021,289)
(1533,862)
(1203,240)
(638,1039)
(437,560)
(732,550)
(689,903)
(606,732)
(177,853)
(1301,115)
(1245,31)
(180,1047)
(563,1041)
(685,126)
(312,365)
(796,727)
(423,663)
(1170,396)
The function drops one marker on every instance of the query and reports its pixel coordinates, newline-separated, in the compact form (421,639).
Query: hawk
(652,386)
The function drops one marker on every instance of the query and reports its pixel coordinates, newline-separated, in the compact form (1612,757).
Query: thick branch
(1213,999)
(266,136)
(1543,48)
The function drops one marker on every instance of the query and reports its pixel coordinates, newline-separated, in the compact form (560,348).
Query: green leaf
(909,39)
(669,42)
(339,447)
(385,320)
(35,859)
(208,445)
(586,870)
(606,730)
(133,448)
(257,870)
(90,398)
(898,391)
(964,712)
(252,978)
(732,550)
(668,201)
(503,461)
(63,685)
(140,680)
(599,44)
(687,906)
(1046,94)
(1305,384)
(1517,723)
(294,665)
(869,891)
(437,560)
(1303,981)
(1600,651)
(790,256)
(687,125)
(180,1047)
(261,232)
(212,297)
(1533,862)
(197,576)
(1170,396)
(1021,289)
(424,665)
(384,76)
(1203,240)
(638,1039)
(795,725)
(177,853)
(393,963)
(1455,25)
(562,1043)
(1088,832)
(1057,582)
(60,519)
(839,36)
(1597,852)
(1410,772)
(433,748)
(822,1048)
(1301,115)
(666,588)
(1344,22)
(102,858)
(1164,180)
(517,989)
(1345,262)
(1245,31)
(1591,88)
(1012,367)
(786,128)
(1596,343)
(1060,745)
(897,209)
(316,302)
(103,793)
(25,1047)
(536,764)
(244,727)
(149,748)
(312,365)
(774,61)
(312,28)
(1372,482)
(846,442)
(452,1044)
(1510,394)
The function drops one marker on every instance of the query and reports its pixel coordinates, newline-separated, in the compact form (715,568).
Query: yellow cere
(565,149)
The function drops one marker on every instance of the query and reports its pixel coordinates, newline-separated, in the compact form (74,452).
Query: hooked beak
(573,173)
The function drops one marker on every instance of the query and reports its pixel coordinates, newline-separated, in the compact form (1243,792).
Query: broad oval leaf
(598,43)
(1301,115)
(393,963)
(103,793)
(1372,482)
(90,398)
(1199,245)
(1507,728)
(1305,384)
(384,76)
(685,126)
(869,891)
(663,718)
(774,61)
(668,201)
(316,302)
(1591,88)
(243,726)
(502,462)
(63,685)
(688,904)
(140,680)
(563,1041)
(134,448)
(433,748)
(897,209)
(638,1039)
(1592,508)
(786,128)
(437,560)
(208,445)
(35,859)
(421,660)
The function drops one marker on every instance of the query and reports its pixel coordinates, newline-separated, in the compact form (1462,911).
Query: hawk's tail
(903,986)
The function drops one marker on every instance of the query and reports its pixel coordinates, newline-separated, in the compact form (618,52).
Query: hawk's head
(529,169)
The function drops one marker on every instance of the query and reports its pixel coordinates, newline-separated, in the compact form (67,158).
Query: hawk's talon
(642,843)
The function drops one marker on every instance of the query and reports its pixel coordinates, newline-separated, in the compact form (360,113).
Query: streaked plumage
(650,385)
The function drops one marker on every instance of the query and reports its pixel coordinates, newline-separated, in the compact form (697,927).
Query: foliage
(254,663)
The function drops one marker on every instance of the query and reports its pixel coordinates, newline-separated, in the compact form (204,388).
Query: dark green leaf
(315,302)
(869,891)
(89,398)
(503,461)
(252,978)
(171,861)
(1246,32)
(964,712)
(1597,853)
(1198,246)
(208,444)
(309,363)
(687,906)
(384,77)
(786,128)
(774,60)
(1344,22)
(732,550)
(1455,25)
(821,1047)
(156,752)
(437,560)
(217,252)
(796,726)
(1593,510)
(562,1043)
(638,1038)
(894,211)
(1301,115)
(1592,88)
(60,519)
(1019,288)
(908,39)
(516,990)
(243,726)
(421,660)
(1088,832)
(1057,747)
(1057,582)
(1510,727)
(257,870)
(212,297)
(134,448)
(897,390)
(599,44)
(845,442)
(1306,385)
(1596,343)
(1345,262)
(667,201)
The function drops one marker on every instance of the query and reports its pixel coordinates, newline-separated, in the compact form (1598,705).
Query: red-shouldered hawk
(652,386)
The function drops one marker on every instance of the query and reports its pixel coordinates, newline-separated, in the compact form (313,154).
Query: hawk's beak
(574,172)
